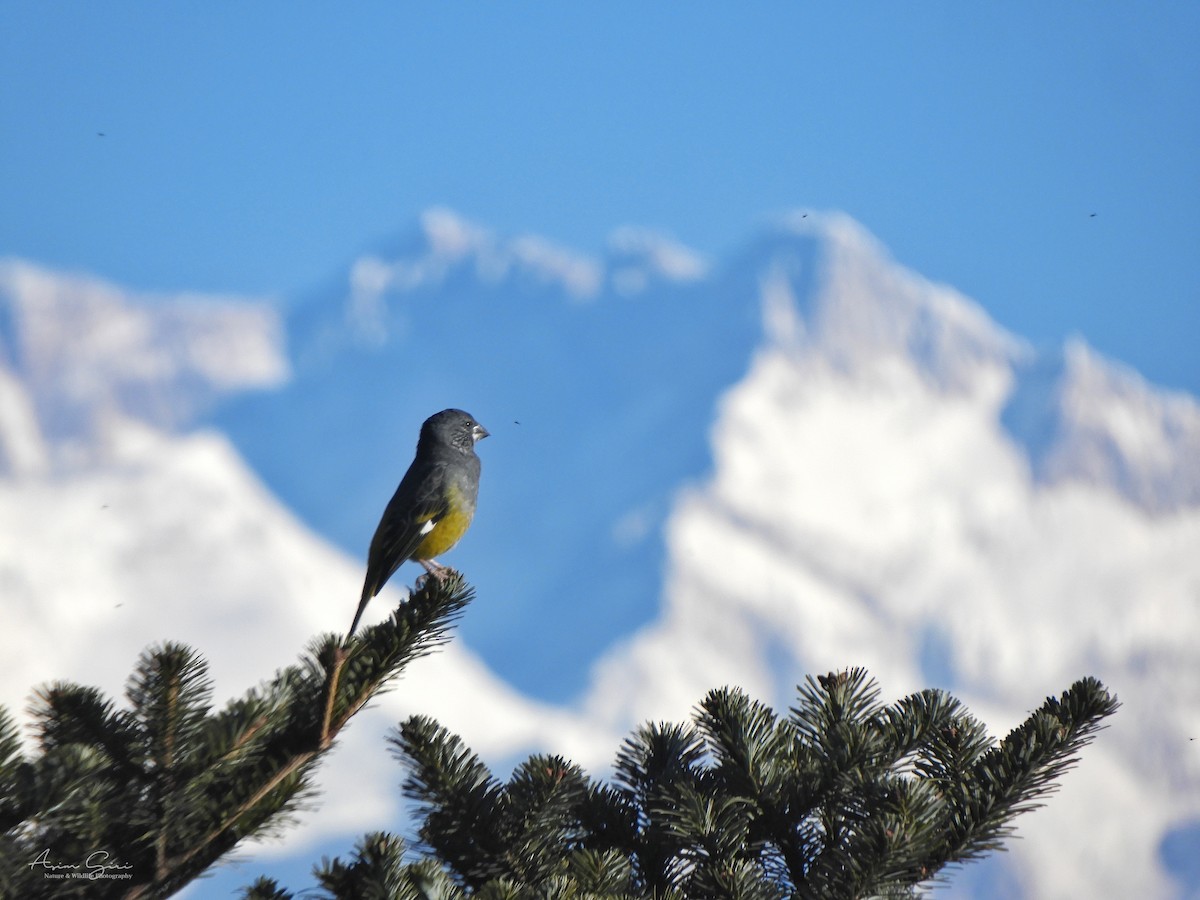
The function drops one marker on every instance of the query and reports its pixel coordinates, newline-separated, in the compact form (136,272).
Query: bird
(433,506)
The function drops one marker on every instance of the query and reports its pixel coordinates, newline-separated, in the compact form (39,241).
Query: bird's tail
(367,594)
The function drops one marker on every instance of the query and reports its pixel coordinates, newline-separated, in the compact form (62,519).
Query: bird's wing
(419,502)
(396,538)
(398,542)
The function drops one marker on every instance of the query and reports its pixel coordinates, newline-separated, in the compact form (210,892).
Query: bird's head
(453,427)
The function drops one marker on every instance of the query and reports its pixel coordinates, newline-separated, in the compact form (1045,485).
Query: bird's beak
(478,433)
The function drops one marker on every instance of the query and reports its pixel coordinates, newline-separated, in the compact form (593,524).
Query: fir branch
(66,714)
(14,774)
(376,870)
(169,786)
(288,756)
(543,797)
(651,770)
(368,664)
(847,798)
(1013,777)
(266,889)
(462,804)
(747,740)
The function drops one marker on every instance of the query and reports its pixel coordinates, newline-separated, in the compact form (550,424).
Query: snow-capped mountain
(76,358)
(800,458)
(1080,417)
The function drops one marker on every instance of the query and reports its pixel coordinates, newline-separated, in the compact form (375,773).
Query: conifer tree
(844,798)
(145,798)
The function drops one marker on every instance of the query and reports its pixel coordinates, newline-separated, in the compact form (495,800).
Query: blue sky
(1043,158)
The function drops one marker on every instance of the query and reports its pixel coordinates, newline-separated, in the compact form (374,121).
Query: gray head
(454,428)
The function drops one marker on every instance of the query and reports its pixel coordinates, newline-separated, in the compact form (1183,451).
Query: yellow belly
(445,534)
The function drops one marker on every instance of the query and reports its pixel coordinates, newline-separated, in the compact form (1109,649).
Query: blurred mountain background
(702,472)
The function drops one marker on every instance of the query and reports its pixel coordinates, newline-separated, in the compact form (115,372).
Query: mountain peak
(79,356)
(641,257)
(447,245)
(860,311)
(1085,418)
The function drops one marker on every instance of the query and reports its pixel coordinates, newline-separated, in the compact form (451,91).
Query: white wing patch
(428,526)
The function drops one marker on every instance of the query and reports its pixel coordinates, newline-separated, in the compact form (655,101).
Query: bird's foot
(434,570)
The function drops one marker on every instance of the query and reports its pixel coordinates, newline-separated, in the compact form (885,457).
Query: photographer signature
(96,865)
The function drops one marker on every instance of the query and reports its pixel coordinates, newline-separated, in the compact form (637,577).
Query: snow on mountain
(1082,417)
(870,505)
(76,355)
(639,258)
(800,459)
(453,247)
(884,525)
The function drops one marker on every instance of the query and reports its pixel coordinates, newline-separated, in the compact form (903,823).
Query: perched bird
(433,506)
